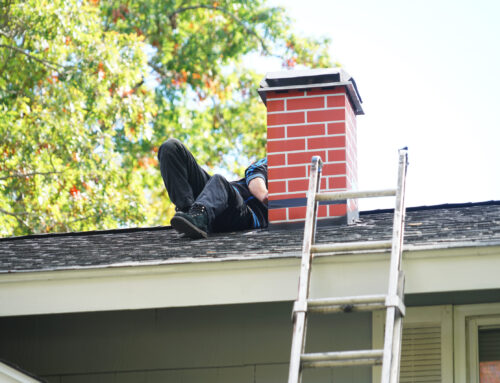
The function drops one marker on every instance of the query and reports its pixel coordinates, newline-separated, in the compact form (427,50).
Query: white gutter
(409,250)
(195,282)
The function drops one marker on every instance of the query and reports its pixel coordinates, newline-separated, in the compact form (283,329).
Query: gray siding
(236,343)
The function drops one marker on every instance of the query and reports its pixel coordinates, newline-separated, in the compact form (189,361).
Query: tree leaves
(89,91)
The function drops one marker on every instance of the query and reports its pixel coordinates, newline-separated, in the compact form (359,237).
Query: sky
(429,76)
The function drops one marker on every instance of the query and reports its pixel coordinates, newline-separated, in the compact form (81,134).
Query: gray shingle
(444,224)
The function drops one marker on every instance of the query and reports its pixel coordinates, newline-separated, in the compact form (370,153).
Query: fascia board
(427,269)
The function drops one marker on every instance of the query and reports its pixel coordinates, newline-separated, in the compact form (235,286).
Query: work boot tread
(183,225)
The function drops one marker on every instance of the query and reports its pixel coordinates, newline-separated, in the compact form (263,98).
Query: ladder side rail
(300,306)
(396,348)
(392,325)
(398,226)
(398,335)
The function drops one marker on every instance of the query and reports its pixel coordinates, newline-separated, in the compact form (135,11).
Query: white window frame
(422,315)
(468,319)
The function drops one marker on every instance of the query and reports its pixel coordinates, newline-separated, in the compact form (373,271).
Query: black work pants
(187,183)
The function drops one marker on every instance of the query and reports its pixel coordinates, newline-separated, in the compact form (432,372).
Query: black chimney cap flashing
(309,79)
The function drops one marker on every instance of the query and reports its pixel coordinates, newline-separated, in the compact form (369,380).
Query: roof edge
(435,207)
(340,256)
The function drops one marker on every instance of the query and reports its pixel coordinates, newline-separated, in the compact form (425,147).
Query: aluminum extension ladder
(390,355)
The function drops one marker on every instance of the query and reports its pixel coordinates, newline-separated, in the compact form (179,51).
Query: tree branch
(230,14)
(21,175)
(81,219)
(48,64)
(4,34)
(16,216)
(158,70)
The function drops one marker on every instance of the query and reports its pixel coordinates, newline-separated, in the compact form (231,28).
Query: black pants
(186,183)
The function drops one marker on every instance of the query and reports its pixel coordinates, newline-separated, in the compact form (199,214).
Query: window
(484,348)
(489,354)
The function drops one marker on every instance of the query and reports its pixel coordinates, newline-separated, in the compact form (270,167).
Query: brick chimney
(310,113)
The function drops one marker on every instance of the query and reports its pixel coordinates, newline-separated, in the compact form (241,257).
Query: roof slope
(451,225)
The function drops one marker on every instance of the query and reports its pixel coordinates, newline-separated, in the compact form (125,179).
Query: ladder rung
(347,304)
(343,358)
(335,196)
(350,246)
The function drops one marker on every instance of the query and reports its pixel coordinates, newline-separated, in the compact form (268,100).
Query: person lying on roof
(205,203)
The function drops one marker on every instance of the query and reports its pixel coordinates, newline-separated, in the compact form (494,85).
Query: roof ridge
(86,233)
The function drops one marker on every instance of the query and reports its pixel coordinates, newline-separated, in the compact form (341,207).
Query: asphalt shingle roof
(444,224)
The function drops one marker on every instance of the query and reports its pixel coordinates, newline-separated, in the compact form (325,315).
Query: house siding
(230,343)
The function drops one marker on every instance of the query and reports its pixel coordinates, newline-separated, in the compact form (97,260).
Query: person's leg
(225,207)
(219,207)
(184,179)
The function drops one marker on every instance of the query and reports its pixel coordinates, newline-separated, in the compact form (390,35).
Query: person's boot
(193,224)
(184,209)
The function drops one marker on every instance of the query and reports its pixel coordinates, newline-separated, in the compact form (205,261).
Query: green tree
(90,89)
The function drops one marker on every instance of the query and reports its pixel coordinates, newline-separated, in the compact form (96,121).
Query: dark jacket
(256,170)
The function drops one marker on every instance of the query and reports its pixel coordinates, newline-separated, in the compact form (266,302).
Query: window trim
(467,320)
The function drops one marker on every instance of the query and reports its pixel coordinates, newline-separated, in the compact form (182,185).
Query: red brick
(334,101)
(286,145)
(277,187)
(338,210)
(334,169)
(275,197)
(277,215)
(294,93)
(304,158)
(285,118)
(284,94)
(278,132)
(336,128)
(298,185)
(274,95)
(276,159)
(325,115)
(306,130)
(350,111)
(317,92)
(275,105)
(287,172)
(298,195)
(323,184)
(305,103)
(337,183)
(297,212)
(322,211)
(326,142)
(336,155)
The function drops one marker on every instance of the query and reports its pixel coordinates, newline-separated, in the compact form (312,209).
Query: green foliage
(90,89)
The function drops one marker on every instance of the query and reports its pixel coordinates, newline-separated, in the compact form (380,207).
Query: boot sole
(183,226)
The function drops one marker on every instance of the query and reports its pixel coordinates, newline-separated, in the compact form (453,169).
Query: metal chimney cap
(310,79)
